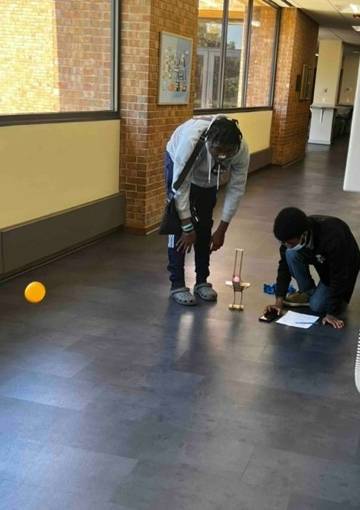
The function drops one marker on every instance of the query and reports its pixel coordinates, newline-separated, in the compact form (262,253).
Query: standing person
(326,243)
(224,150)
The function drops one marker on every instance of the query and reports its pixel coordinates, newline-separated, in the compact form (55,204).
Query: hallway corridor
(112,397)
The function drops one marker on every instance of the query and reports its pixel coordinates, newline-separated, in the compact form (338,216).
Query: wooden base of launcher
(238,308)
(238,287)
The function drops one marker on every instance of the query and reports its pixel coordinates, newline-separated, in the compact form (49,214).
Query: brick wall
(298,43)
(55,55)
(261,56)
(146,126)
(84,48)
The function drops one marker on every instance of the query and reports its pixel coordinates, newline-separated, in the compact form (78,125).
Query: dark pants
(202,201)
(299,265)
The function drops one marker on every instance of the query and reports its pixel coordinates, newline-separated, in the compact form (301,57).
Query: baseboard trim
(143,231)
(294,161)
(27,245)
(319,142)
(260,159)
(56,256)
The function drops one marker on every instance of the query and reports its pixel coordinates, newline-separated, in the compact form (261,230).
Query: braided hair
(224,132)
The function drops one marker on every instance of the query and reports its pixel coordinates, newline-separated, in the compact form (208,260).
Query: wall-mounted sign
(175,69)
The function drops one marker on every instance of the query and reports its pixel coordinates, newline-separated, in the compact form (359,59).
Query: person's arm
(237,183)
(338,278)
(186,144)
(182,201)
(283,278)
(218,237)
(184,149)
(234,191)
(282,284)
(338,273)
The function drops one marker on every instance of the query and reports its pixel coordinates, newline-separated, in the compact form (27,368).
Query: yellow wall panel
(256,128)
(47,168)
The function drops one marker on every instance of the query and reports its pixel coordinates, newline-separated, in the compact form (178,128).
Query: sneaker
(297,299)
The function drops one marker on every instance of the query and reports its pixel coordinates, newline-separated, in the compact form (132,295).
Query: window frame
(225,22)
(82,116)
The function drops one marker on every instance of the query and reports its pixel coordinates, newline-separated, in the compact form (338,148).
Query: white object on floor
(357,367)
(298,320)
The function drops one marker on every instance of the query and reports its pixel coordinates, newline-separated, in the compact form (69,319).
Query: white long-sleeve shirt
(180,148)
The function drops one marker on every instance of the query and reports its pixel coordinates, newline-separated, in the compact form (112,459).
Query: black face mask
(218,167)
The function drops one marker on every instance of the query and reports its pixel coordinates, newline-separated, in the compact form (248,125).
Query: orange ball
(35,292)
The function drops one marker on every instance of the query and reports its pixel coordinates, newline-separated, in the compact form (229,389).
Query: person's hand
(277,307)
(274,308)
(333,321)
(186,242)
(218,237)
(217,240)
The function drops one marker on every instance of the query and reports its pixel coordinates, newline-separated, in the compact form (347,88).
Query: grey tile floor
(114,398)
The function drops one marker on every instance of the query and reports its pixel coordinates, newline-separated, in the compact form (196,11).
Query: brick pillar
(261,56)
(146,126)
(297,46)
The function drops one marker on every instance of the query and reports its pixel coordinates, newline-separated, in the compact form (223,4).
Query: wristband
(187,228)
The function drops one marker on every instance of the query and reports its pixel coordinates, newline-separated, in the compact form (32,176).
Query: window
(210,33)
(237,41)
(235,54)
(57,57)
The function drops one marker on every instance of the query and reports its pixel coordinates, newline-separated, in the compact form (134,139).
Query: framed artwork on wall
(175,69)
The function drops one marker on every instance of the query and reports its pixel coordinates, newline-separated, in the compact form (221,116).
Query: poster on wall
(175,69)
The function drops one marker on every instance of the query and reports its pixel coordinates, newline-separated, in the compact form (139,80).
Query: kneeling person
(326,243)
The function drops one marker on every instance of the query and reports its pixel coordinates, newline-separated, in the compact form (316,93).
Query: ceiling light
(351,9)
(257,24)
(356,28)
(283,3)
(355,8)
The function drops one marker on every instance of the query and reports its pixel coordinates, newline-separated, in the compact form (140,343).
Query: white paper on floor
(298,320)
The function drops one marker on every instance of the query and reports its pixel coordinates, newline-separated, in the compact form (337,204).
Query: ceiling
(218,4)
(335,17)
